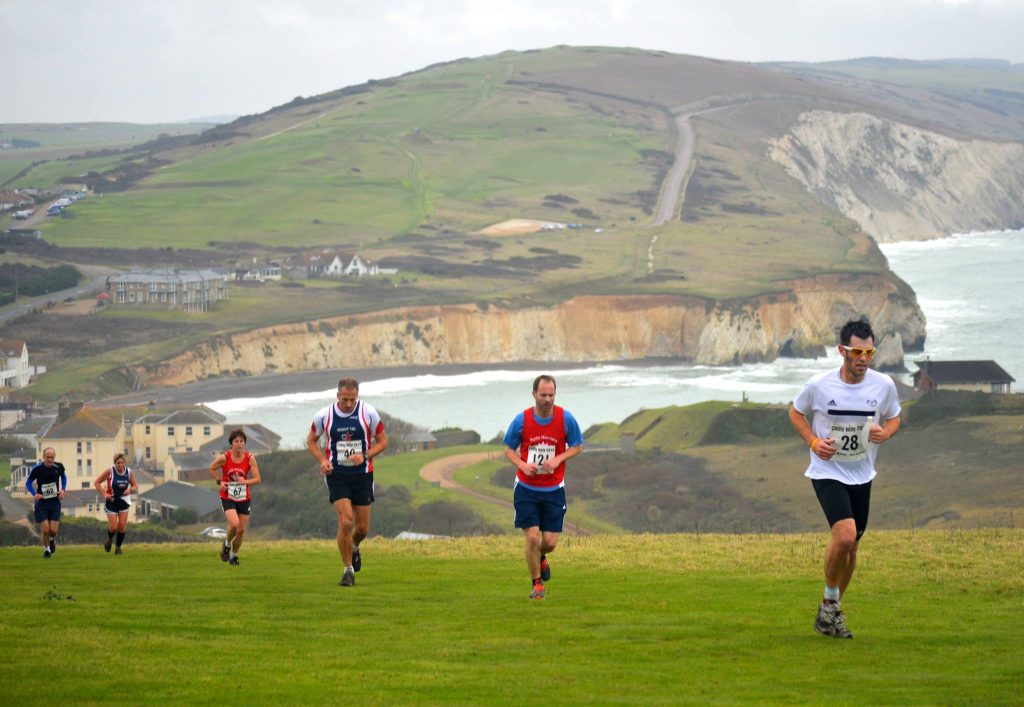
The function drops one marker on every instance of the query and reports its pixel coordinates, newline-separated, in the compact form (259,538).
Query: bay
(969,287)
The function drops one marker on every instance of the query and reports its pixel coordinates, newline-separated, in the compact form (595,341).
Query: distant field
(91,135)
(653,620)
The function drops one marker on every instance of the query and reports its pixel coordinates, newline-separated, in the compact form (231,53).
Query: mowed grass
(657,619)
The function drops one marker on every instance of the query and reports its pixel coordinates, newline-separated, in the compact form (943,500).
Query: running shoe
(46,553)
(348,579)
(357,559)
(118,551)
(538,591)
(106,545)
(831,622)
(545,568)
(53,545)
(233,560)
(225,552)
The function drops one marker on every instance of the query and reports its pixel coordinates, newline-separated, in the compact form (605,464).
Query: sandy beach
(311,381)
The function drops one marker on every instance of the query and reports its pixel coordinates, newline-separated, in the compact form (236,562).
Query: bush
(185,516)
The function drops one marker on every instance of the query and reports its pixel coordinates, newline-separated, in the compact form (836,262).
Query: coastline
(311,381)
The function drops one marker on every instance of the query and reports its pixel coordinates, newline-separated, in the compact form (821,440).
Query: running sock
(232,555)
(350,568)
(120,539)
(110,535)
(537,580)
(831,593)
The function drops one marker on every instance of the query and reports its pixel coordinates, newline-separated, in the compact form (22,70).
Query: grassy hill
(56,150)
(709,618)
(408,170)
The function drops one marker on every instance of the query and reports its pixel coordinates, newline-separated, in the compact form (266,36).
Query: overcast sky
(152,61)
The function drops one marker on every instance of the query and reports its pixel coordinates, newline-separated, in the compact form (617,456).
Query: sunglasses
(857,353)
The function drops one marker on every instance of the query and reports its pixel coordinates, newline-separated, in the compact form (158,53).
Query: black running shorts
(841,501)
(358,487)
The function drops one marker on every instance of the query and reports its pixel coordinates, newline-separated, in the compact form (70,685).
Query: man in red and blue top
(539,442)
(355,435)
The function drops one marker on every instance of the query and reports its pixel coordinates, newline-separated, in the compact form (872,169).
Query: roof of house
(178,494)
(164,276)
(963,371)
(80,497)
(259,440)
(86,423)
(195,415)
(11,347)
(419,436)
(190,461)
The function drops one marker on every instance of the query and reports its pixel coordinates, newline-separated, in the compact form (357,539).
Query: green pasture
(376,167)
(10,166)
(657,619)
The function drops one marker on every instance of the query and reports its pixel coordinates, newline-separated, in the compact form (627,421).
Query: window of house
(88,465)
(86,485)
(88,447)
(147,429)
(206,430)
(78,447)
(188,431)
(148,453)
(170,430)
(188,449)
(79,466)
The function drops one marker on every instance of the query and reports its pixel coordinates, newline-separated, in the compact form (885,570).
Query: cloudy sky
(154,61)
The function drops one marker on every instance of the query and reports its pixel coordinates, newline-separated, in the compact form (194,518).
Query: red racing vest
(235,471)
(541,442)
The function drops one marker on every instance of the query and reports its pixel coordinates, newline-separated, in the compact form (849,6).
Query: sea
(970,287)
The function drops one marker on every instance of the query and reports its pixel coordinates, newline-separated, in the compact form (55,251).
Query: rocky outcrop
(903,183)
(800,319)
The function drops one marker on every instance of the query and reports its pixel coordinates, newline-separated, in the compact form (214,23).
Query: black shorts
(357,488)
(116,505)
(841,501)
(47,509)
(242,508)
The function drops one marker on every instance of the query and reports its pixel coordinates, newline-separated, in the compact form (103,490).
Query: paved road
(14,510)
(442,472)
(96,281)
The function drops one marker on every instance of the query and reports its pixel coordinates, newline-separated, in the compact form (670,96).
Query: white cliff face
(903,183)
(802,320)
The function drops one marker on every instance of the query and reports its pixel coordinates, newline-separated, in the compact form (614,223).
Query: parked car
(214,532)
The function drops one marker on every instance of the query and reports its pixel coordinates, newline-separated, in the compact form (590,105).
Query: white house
(14,369)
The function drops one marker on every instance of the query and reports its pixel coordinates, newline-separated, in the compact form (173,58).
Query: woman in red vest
(236,470)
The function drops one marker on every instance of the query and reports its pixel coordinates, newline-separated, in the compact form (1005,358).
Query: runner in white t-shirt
(853,410)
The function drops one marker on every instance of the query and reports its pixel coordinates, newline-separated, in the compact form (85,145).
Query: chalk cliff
(798,320)
(903,183)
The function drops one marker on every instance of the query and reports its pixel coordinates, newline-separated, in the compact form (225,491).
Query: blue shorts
(542,509)
(47,509)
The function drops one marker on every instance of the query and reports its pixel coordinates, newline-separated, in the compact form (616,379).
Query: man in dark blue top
(47,483)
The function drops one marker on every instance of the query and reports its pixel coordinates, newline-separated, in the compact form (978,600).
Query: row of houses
(164,446)
(200,290)
(190,290)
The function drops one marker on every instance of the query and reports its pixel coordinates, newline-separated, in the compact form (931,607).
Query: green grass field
(660,619)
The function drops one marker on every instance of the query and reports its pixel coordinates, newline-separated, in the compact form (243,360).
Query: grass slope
(656,620)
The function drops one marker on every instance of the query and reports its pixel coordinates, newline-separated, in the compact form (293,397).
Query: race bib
(236,492)
(49,490)
(345,448)
(538,454)
(851,440)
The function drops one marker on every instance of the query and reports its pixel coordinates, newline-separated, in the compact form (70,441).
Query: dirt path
(442,472)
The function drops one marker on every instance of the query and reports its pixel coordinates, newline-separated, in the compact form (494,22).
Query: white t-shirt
(844,412)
